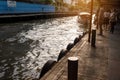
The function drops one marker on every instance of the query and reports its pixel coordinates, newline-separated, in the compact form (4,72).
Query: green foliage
(96,4)
(46,1)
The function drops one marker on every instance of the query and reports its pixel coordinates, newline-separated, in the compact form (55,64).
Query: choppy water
(25,47)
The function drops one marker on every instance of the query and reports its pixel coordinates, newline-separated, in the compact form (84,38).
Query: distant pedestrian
(112,20)
(100,19)
(106,19)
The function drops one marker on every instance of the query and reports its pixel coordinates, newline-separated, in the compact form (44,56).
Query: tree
(48,1)
(59,4)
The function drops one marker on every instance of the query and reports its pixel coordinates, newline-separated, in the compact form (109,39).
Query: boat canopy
(84,13)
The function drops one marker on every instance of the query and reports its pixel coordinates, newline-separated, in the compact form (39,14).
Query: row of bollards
(72,61)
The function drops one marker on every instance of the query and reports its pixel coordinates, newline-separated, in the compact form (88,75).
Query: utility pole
(91,12)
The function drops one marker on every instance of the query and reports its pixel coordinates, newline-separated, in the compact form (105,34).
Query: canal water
(26,46)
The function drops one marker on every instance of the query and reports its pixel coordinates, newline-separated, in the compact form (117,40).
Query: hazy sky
(69,1)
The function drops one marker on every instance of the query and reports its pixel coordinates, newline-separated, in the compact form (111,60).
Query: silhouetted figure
(106,19)
(100,20)
(112,20)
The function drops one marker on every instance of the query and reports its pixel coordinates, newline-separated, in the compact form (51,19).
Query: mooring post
(72,68)
(93,39)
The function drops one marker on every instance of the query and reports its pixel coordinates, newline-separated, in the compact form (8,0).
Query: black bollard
(93,40)
(72,68)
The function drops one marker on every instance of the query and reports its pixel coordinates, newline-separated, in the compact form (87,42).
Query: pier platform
(94,63)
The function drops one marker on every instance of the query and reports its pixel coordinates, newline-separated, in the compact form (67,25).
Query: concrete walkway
(114,54)
(95,63)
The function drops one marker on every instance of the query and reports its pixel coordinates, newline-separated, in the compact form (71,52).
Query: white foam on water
(49,39)
(2,74)
(11,39)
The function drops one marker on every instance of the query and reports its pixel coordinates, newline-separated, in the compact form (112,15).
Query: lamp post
(91,12)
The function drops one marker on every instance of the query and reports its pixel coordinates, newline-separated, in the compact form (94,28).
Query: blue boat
(16,7)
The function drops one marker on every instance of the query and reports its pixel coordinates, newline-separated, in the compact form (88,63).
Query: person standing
(106,19)
(100,19)
(112,20)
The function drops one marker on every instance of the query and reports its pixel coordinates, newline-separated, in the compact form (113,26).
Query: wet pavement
(114,54)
